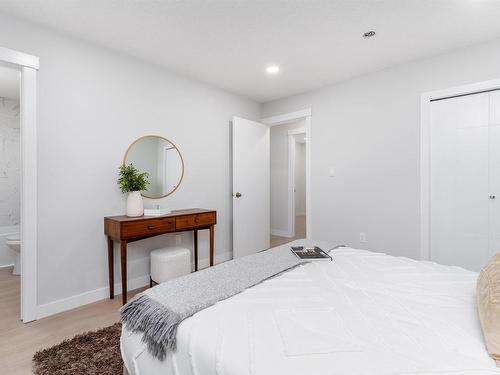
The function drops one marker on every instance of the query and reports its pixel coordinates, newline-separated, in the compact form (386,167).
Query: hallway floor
(300,232)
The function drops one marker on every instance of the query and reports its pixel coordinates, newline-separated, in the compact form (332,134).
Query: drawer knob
(196,219)
(150,227)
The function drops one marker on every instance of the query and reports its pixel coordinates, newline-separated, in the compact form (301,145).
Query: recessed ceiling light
(273,69)
(369,34)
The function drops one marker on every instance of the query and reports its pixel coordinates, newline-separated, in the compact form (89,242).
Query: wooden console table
(129,229)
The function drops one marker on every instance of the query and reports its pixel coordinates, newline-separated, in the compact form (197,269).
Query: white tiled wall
(9,162)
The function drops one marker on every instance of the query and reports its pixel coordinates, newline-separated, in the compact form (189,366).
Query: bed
(364,313)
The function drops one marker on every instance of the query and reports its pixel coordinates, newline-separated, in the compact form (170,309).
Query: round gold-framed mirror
(162,161)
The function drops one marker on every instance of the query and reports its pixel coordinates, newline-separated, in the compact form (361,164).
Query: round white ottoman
(169,262)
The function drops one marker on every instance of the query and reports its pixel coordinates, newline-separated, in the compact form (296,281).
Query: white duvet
(362,314)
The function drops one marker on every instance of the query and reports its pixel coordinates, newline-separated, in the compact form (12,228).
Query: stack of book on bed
(312,253)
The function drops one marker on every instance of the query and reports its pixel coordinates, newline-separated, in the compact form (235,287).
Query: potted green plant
(131,181)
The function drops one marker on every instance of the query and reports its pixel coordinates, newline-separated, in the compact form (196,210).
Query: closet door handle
(492,197)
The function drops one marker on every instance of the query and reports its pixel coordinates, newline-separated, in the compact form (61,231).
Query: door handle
(492,197)
(238,195)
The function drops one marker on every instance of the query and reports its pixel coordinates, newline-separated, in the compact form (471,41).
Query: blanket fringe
(156,322)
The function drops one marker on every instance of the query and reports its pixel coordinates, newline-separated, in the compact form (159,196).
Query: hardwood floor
(19,341)
(300,232)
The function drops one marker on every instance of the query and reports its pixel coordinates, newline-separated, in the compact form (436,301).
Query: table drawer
(195,220)
(147,227)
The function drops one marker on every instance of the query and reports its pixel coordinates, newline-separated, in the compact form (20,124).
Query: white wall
(92,104)
(300,178)
(368,128)
(279,176)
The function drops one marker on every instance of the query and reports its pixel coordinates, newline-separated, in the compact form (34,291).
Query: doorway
(251,181)
(291,167)
(10,197)
(299,143)
(26,68)
(288,143)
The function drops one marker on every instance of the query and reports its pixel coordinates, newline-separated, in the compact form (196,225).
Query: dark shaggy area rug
(92,353)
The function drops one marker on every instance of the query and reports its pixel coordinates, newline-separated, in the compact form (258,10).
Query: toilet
(14,242)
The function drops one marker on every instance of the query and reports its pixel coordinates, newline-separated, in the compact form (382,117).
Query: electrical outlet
(362,237)
(178,239)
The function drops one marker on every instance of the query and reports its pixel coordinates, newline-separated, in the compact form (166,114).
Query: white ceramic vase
(135,205)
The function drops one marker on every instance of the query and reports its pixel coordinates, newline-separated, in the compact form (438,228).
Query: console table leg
(195,250)
(211,245)
(111,269)
(123,264)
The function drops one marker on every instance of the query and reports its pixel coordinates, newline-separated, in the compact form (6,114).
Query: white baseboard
(219,258)
(78,300)
(280,233)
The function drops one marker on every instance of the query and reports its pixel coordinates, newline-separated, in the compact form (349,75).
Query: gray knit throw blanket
(157,312)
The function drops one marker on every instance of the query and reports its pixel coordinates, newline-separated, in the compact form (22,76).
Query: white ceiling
(9,83)
(228,43)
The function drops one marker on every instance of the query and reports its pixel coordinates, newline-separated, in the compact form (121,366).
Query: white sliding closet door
(460,187)
(494,172)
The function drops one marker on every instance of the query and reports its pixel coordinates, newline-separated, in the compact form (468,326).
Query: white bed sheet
(364,313)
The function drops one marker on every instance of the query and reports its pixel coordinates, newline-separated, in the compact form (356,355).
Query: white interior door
(251,187)
(459,181)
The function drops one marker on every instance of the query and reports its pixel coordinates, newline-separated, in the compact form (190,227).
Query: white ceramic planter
(135,205)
